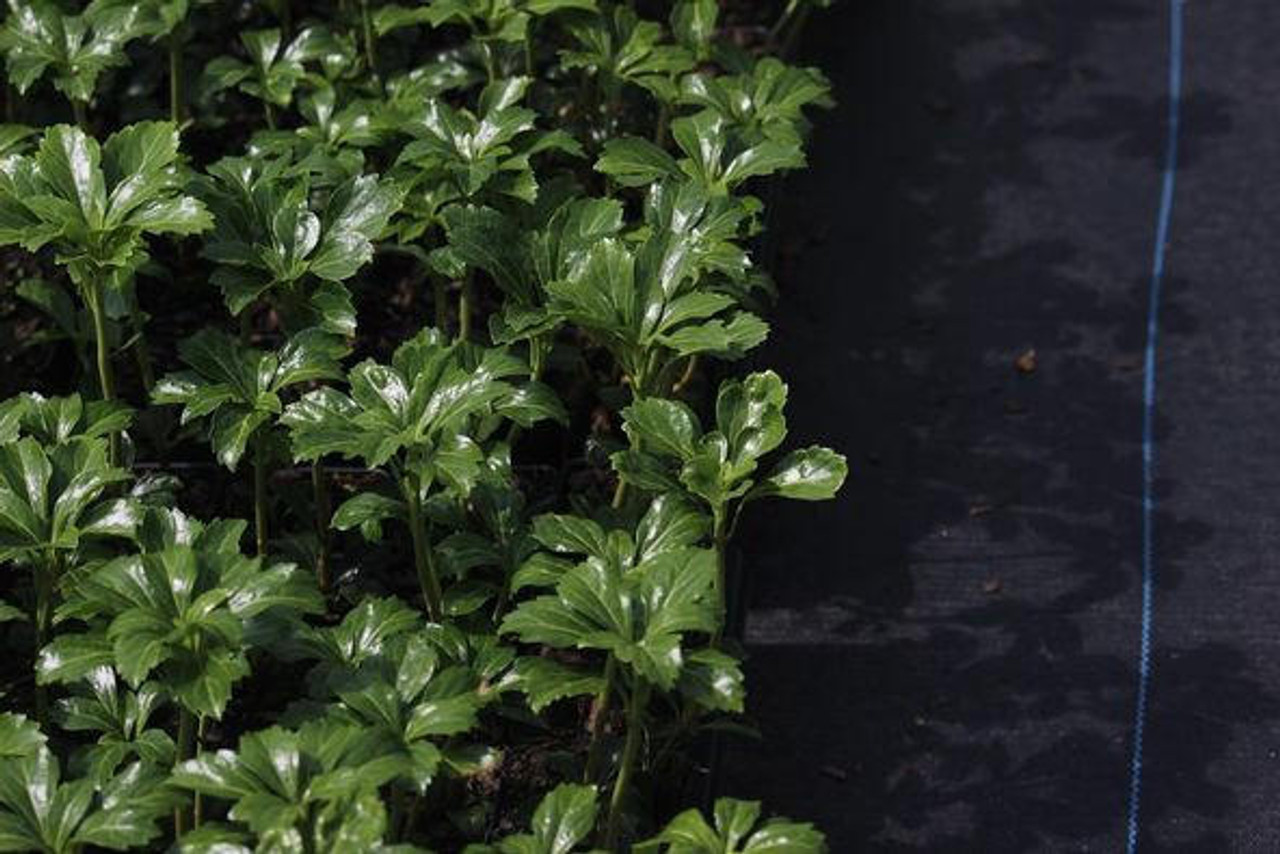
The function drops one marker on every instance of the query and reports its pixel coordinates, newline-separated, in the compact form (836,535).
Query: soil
(944,659)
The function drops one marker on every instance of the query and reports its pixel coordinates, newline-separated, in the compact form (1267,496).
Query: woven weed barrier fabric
(946,658)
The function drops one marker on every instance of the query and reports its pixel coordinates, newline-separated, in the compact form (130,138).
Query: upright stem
(78,112)
(660,129)
(106,383)
(46,572)
(175,40)
(320,489)
(440,303)
(486,55)
(466,299)
(721,538)
(599,712)
(197,804)
(528,46)
(260,492)
(423,559)
(781,24)
(186,750)
(370,43)
(270,113)
(630,751)
(690,368)
(141,352)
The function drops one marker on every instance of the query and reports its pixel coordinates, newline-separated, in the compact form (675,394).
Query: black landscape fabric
(945,657)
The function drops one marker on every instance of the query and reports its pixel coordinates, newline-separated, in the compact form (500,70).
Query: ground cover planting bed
(378,431)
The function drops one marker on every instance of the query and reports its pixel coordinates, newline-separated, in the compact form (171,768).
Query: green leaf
(367,510)
(736,828)
(544,680)
(564,818)
(71,657)
(809,474)
(37,38)
(713,680)
(694,24)
(671,523)
(730,340)
(664,426)
(41,812)
(96,204)
(635,162)
(18,736)
(231,430)
(358,212)
(571,535)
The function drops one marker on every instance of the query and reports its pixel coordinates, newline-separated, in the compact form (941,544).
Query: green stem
(599,713)
(630,753)
(660,130)
(440,302)
(271,115)
(528,47)
(186,750)
(690,368)
(538,347)
(197,806)
(787,14)
(79,113)
(370,43)
(320,489)
(423,559)
(141,352)
(721,539)
(260,492)
(466,301)
(486,55)
(176,40)
(45,578)
(619,495)
(106,383)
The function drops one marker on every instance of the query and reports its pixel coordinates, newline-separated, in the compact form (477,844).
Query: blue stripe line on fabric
(1148,423)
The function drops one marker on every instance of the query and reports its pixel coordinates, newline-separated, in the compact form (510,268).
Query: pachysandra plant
(765,103)
(275,241)
(40,811)
(494,24)
(669,297)
(418,703)
(637,601)
(590,181)
(563,820)
(418,418)
(276,67)
(523,255)
(239,389)
(39,38)
(670,451)
(457,155)
(314,789)
(54,502)
(735,827)
(621,49)
(121,718)
(179,614)
(94,205)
